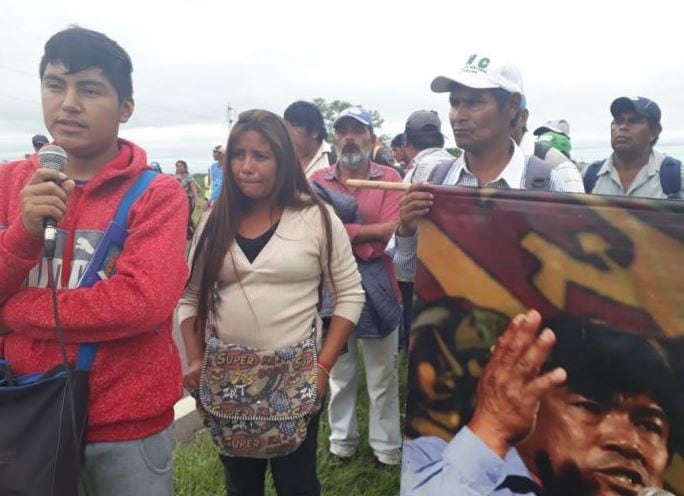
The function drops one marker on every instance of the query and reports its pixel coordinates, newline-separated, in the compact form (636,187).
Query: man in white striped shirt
(485,98)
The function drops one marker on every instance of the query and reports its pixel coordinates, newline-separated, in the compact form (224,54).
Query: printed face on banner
(619,443)
(607,275)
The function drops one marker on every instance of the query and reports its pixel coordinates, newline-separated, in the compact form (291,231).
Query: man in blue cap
(635,168)
(378,328)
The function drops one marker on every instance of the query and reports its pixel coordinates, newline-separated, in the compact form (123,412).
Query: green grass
(198,472)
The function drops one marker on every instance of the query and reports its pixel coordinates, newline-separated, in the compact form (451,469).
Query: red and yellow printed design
(486,255)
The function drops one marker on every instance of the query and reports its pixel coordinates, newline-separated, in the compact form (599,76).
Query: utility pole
(229,116)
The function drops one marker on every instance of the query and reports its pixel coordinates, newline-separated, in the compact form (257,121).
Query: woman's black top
(252,247)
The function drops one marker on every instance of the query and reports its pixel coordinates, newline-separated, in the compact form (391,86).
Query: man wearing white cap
(554,134)
(548,138)
(560,126)
(485,98)
(552,146)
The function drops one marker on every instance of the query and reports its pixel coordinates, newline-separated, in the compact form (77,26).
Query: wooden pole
(363,183)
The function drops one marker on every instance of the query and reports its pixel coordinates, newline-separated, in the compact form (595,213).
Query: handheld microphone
(52,157)
(654,491)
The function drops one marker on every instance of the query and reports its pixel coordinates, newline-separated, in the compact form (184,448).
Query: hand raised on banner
(510,389)
(414,204)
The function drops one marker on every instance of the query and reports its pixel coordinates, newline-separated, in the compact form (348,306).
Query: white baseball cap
(481,72)
(560,126)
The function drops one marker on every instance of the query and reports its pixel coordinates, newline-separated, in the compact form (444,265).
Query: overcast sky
(191,58)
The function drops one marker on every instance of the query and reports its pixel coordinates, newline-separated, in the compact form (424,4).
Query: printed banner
(487,255)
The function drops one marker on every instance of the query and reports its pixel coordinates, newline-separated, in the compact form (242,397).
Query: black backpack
(537,176)
(541,149)
(670,177)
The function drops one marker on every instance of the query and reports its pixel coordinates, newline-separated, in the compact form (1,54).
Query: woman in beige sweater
(258,261)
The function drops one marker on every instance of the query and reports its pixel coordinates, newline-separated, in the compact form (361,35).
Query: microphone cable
(69,373)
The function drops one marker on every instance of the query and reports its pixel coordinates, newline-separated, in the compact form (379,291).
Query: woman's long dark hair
(291,190)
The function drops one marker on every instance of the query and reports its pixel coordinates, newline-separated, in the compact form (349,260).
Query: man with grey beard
(369,228)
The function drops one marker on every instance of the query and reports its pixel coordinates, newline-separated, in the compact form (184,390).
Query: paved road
(187,420)
(179,342)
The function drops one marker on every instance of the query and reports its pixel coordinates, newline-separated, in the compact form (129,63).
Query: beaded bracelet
(324,367)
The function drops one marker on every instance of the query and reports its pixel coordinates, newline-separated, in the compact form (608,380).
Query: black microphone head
(654,491)
(52,157)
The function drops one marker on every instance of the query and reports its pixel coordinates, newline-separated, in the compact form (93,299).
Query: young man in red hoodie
(135,379)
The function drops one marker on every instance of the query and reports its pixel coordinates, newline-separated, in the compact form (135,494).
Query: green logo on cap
(481,63)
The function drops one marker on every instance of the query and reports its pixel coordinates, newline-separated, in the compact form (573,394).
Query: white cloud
(193,57)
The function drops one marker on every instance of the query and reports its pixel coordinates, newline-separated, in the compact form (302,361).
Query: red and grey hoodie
(136,376)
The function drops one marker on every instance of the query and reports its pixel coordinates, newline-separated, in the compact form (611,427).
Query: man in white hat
(486,99)
(560,126)
(552,146)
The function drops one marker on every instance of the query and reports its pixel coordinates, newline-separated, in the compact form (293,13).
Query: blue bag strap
(133,193)
(86,352)
(86,356)
(591,176)
(671,177)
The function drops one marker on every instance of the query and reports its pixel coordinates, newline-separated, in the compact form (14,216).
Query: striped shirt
(403,249)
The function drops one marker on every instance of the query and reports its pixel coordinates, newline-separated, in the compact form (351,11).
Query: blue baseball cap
(639,105)
(359,113)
